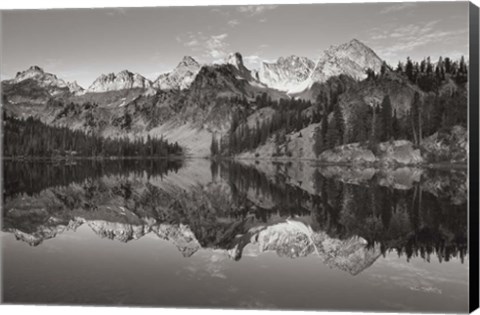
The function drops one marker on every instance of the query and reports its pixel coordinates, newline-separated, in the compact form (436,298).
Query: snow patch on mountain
(286,73)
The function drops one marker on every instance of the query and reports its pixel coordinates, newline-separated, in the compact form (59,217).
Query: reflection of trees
(427,220)
(290,200)
(412,222)
(31,177)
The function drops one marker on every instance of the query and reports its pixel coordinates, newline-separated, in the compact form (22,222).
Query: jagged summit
(235,59)
(291,74)
(120,81)
(187,61)
(179,78)
(32,70)
(48,81)
(35,68)
(75,88)
(357,52)
(286,73)
(352,58)
(294,74)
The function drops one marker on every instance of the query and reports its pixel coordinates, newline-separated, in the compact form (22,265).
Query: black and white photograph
(269,157)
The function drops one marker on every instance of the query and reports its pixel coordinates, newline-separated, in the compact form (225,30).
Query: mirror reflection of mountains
(346,217)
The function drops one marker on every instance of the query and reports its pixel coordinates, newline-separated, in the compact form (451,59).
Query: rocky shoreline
(449,148)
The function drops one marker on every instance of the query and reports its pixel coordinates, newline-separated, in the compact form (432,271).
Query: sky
(81,44)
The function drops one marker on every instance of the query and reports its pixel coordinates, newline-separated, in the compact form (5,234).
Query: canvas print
(309,156)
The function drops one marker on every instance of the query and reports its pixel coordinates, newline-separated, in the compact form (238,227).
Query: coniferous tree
(448,65)
(214,150)
(396,126)
(339,121)
(335,129)
(383,68)
(370,74)
(409,69)
(429,66)
(462,73)
(360,126)
(386,118)
(33,138)
(415,118)
(376,132)
(423,64)
(399,68)
(321,136)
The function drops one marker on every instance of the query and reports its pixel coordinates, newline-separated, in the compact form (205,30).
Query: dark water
(264,235)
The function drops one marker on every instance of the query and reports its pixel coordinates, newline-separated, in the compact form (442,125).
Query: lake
(250,234)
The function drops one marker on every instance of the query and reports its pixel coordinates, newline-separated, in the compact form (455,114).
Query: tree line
(31,177)
(428,76)
(430,111)
(33,138)
(287,117)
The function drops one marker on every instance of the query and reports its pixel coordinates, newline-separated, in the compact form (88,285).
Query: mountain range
(30,92)
(292,73)
(195,103)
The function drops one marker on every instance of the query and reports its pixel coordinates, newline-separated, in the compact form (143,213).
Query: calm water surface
(249,235)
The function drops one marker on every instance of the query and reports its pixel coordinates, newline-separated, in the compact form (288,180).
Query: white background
(54,310)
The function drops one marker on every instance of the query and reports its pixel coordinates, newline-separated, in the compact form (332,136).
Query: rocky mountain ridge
(352,59)
(50,82)
(123,80)
(286,73)
(179,78)
(195,103)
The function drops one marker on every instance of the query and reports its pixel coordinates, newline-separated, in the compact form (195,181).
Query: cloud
(252,61)
(191,43)
(216,45)
(233,23)
(210,46)
(397,7)
(252,10)
(396,42)
(117,12)
(221,11)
